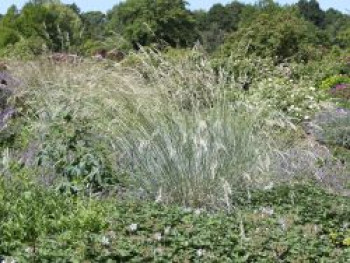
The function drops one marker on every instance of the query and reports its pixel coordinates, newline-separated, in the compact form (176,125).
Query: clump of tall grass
(207,158)
(185,142)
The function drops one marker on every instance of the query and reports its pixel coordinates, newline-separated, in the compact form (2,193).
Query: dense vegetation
(298,31)
(217,136)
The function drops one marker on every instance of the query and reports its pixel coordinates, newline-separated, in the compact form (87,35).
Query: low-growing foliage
(333,81)
(39,224)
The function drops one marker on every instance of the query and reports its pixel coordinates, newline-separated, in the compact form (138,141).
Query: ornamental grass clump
(185,143)
(199,159)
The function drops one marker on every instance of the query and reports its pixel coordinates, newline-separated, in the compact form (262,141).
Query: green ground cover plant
(41,224)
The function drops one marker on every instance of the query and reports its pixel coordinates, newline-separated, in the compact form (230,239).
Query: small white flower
(111,235)
(307,117)
(197,212)
(188,210)
(167,230)
(28,250)
(202,125)
(133,227)
(200,252)
(157,236)
(105,241)
(172,152)
(269,186)
(267,211)
(159,196)
(283,224)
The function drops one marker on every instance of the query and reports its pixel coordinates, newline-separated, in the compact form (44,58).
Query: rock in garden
(8,81)
(7,88)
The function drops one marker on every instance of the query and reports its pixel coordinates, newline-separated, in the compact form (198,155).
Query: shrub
(317,71)
(69,149)
(333,81)
(296,99)
(281,36)
(8,36)
(26,49)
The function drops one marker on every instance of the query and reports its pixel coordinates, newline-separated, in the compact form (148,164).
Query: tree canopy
(282,36)
(298,31)
(311,11)
(148,21)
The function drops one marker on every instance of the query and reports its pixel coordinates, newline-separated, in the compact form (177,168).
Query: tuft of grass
(195,159)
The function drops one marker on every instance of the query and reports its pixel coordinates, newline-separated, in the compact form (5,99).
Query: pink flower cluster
(340,87)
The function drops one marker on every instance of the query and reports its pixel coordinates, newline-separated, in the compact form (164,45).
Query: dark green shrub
(282,36)
(8,36)
(26,48)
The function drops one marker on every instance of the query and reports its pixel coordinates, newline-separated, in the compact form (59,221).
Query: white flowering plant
(297,99)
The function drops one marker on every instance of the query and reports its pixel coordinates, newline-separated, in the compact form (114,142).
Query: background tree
(311,11)
(94,23)
(148,21)
(226,17)
(65,27)
(217,23)
(75,8)
(343,37)
(9,19)
(282,36)
(8,36)
(263,27)
(8,30)
(58,25)
(336,22)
